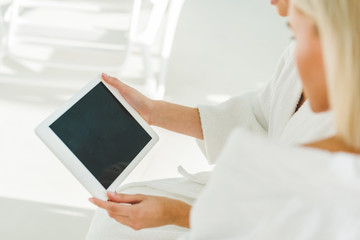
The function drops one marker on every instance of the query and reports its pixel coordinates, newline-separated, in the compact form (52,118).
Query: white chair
(164,15)
(146,39)
(16,21)
(3,29)
(164,12)
(169,33)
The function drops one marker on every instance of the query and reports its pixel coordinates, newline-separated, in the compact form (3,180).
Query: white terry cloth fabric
(185,189)
(267,111)
(259,190)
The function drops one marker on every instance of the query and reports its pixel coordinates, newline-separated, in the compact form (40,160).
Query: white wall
(224,47)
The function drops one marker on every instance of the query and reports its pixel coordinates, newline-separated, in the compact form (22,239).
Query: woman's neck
(333,144)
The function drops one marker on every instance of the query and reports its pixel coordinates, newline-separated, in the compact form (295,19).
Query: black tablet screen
(101,133)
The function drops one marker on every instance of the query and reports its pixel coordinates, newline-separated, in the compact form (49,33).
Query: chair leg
(150,82)
(172,19)
(14,12)
(133,27)
(160,92)
(2,37)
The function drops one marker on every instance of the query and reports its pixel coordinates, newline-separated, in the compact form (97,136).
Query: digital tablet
(98,136)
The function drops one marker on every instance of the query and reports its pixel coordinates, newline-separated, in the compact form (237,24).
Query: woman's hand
(177,118)
(142,104)
(144,211)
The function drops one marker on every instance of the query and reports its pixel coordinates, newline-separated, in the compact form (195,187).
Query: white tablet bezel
(76,167)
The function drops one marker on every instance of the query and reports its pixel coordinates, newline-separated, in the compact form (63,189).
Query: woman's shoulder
(274,158)
(288,56)
(246,140)
(289,51)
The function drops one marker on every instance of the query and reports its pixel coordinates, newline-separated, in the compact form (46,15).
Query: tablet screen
(101,133)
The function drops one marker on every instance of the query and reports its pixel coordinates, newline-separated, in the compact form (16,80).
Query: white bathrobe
(261,190)
(268,111)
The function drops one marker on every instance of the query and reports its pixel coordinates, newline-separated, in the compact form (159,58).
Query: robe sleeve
(250,110)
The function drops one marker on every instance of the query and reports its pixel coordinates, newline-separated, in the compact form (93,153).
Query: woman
(269,111)
(297,193)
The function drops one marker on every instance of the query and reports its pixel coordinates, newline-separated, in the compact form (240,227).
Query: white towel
(260,190)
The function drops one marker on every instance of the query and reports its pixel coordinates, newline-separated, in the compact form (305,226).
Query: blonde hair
(338,25)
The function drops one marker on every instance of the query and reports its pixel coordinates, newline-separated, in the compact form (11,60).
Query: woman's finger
(112,207)
(125,198)
(112,81)
(98,202)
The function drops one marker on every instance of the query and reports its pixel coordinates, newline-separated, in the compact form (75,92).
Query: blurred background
(185,51)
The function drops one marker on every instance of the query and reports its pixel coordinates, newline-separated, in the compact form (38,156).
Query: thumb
(125,198)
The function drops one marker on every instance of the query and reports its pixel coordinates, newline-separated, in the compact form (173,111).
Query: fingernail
(105,76)
(91,200)
(112,194)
